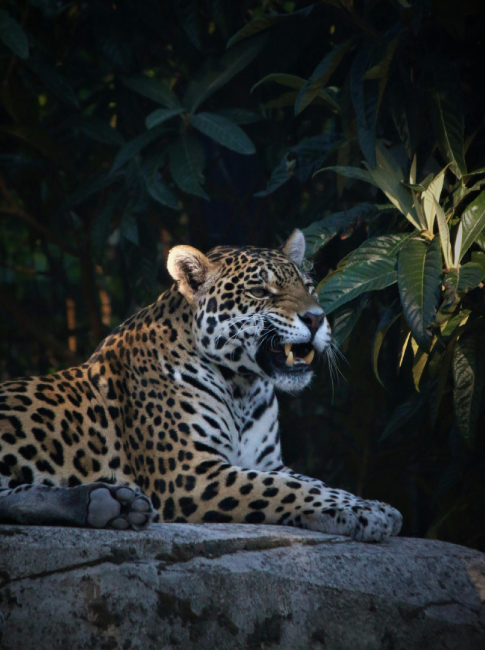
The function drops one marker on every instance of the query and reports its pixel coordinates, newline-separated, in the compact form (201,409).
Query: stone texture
(235,586)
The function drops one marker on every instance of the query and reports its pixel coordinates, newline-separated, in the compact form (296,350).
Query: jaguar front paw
(119,507)
(376,521)
(364,521)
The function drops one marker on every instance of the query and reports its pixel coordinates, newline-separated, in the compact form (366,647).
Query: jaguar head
(254,311)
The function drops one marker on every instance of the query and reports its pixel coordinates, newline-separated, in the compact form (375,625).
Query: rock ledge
(235,586)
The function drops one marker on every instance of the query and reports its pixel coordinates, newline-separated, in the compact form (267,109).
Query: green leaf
(444,235)
(89,187)
(290,80)
(187,164)
(263,22)
(220,72)
(129,225)
(403,413)
(350,172)
(478,257)
(364,98)
(405,111)
(301,161)
(101,228)
(470,276)
(282,173)
(240,115)
(321,232)
(154,89)
(53,81)
(448,123)
(98,129)
(419,280)
(468,364)
(388,177)
(391,314)
(473,222)
(223,131)
(372,266)
(187,12)
(419,187)
(156,186)
(321,76)
(133,147)
(431,196)
(161,115)
(346,318)
(12,34)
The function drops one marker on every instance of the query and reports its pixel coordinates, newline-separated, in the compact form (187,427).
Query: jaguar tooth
(287,348)
(289,359)
(309,357)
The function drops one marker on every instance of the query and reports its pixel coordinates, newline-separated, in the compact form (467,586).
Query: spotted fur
(179,403)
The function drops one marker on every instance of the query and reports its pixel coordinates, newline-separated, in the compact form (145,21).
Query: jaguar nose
(312,321)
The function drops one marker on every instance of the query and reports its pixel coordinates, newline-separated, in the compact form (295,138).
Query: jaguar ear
(295,247)
(190,268)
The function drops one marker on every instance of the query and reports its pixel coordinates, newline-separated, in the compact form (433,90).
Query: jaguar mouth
(290,358)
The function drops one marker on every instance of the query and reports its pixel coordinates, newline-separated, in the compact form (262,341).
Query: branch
(16,210)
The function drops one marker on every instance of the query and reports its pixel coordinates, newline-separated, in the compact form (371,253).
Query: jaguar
(174,418)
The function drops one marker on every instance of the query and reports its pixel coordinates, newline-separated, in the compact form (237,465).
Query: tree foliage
(128,127)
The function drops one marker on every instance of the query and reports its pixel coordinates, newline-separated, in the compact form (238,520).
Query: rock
(235,586)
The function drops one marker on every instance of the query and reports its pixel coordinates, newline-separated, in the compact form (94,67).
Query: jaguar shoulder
(174,418)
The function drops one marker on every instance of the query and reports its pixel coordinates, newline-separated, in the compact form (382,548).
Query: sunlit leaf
(388,176)
(444,235)
(431,196)
(223,131)
(419,363)
(472,223)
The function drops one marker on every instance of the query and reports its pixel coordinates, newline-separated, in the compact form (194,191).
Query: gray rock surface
(235,586)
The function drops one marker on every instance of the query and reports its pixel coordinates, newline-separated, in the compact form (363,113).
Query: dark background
(82,249)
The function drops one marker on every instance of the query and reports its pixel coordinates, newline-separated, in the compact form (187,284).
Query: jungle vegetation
(129,126)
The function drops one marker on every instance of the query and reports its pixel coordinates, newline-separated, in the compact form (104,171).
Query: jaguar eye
(259,293)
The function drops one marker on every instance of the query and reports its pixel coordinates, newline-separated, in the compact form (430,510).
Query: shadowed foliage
(129,127)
